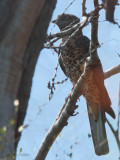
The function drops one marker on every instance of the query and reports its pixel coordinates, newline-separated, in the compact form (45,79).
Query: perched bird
(72,61)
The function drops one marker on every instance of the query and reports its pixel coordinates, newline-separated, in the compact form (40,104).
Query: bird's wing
(105,102)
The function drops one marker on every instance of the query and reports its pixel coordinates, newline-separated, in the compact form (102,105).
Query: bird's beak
(54,21)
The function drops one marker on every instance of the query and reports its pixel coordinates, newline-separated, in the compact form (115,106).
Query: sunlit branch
(112,72)
(115,133)
(119,96)
(61,121)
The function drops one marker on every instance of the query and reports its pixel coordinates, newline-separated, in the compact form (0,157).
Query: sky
(73,142)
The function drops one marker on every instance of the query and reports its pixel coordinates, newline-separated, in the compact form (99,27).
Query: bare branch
(113,131)
(111,127)
(112,72)
(84,8)
(108,74)
(96,3)
(69,5)
(64,12)
(61,82)
(62,118)
(68,31)
(55,40)
(52,47)
(70,104)
(119,96)
(82,25)
(51,85)
(94,33)
(79,25)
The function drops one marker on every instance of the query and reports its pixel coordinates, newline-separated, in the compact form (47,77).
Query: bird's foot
(72,113)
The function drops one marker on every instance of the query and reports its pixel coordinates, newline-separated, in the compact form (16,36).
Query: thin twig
(72,30)
(82,25)
(51,85)
(61,82)
(64,12)
(76,26)
(52,47)
(64,33)
(119,96)
(52,42)
(115,133)
(119,118)
(69,5)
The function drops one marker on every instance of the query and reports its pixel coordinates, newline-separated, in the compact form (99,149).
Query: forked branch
(67,110)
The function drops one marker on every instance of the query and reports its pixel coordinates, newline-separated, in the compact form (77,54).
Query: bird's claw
(73,112)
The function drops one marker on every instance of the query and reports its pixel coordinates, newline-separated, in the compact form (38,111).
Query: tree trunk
(22,34)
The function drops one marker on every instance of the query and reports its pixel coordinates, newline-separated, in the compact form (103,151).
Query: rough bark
(32,52)
(21,38)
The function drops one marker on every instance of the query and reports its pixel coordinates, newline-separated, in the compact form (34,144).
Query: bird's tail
(99,133)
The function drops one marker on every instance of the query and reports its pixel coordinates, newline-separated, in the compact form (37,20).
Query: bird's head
(65,21)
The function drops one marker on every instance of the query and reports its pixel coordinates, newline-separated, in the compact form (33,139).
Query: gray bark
(20,37)
(32,52)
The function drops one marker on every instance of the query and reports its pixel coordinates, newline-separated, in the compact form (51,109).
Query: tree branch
(94,35)
(112,72)
(61,121)
(119,95)
(115,133)
(70,104)
(83,8)
(107,74)
(79,25)
(68,31)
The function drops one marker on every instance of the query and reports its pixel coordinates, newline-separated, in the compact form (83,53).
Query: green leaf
(3,130)
(12,122)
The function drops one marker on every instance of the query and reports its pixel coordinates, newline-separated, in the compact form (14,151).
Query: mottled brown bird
(72,62)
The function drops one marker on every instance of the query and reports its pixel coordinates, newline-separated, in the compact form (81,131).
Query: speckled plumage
(72,62)
(72,57)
